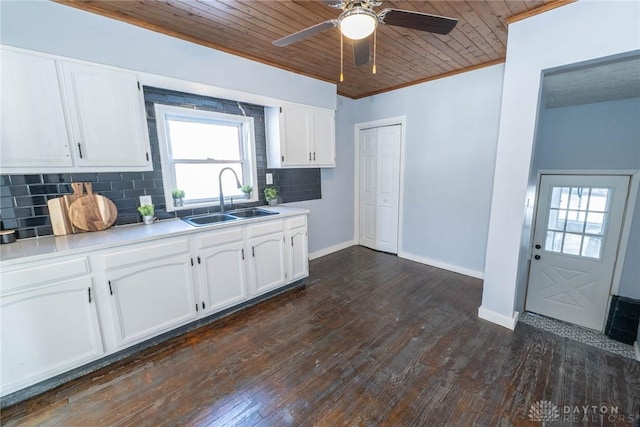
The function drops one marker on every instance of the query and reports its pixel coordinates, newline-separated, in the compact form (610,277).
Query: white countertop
(27,250)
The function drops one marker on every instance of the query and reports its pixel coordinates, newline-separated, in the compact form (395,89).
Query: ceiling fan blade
(291,38)
(361,52)
(417,21)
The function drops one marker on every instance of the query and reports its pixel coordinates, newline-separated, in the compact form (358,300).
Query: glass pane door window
(577,220)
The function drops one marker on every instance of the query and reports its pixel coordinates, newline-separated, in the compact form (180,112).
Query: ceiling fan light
(358,23)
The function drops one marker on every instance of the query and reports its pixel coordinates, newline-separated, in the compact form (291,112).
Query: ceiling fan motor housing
(358,22)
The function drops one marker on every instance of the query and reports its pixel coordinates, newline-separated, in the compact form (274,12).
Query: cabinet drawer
(265,228)
(145,253)
(300,221)
(220,238)
(45,273)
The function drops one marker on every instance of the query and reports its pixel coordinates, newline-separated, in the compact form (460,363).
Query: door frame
(625,230)
(391,121)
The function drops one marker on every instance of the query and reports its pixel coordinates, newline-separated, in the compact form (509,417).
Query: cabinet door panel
(34,132)
(224,281)
(298,254)
(268,262)
(323,138)
(296,136)
(46,331)
(152,297)
(108,111)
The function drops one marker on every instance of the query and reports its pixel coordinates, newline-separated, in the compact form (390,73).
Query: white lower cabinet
(47,328)
(58,315)
(267,261)
(222,275)
(150,289)
(298,252)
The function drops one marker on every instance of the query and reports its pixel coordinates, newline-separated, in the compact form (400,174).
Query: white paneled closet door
(380,187)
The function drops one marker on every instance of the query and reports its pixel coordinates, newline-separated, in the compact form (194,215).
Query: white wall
(605,136)
(559,37)
(62,30)
(451,136)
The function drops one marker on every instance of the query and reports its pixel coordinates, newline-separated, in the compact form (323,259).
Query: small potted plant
(271,195)
(247,189)
(147,212)
(178,197)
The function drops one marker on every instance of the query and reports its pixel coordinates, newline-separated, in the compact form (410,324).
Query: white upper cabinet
(324,138)
(300,136)
(68,116)
(108,123)
(34,133)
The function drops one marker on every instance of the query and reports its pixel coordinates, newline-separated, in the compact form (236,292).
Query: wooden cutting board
(59,211)
(92,212)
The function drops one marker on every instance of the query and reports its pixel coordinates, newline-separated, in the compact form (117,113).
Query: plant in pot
(247,189)
(271,195)
(178,197)
(147,212)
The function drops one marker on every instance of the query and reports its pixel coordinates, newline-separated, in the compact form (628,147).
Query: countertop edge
(44,248)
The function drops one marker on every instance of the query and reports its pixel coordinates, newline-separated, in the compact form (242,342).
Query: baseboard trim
(499,319)
(636,349)
(439,264)
(331,249)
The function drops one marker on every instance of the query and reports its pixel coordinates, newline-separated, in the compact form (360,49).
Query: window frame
(246,129)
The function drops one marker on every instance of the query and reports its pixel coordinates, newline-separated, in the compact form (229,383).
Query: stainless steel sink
(251,213)
(208,219)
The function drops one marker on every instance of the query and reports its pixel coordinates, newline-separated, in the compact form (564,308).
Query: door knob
(537,257)
(538,246)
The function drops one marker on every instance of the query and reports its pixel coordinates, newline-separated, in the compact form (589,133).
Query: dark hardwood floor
(372,340)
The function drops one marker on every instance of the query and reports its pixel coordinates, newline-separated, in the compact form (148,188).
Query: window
(196,146)
(577,220)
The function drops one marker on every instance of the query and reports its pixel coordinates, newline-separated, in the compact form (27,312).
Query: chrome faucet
(220,184)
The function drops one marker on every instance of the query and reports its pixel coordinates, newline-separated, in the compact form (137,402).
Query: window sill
(227,204)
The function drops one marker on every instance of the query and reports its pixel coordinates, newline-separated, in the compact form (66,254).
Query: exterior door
(380,187)
(576,236)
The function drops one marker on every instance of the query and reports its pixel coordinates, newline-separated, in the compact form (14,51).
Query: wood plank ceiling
(404,57)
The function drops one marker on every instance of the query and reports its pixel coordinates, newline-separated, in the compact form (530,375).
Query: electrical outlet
(145,200)
(269,179)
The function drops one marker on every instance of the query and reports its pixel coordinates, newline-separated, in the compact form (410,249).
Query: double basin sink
(209,219)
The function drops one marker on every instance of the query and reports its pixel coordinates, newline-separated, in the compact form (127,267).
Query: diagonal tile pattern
(577,333)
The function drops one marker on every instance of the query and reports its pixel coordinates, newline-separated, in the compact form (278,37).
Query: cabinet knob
(538,246)
(537,257)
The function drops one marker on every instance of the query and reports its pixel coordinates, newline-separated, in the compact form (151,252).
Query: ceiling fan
(358,21)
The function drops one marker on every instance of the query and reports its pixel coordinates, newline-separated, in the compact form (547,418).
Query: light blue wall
(62,30)
(604,135)
(331,219)
(451,136)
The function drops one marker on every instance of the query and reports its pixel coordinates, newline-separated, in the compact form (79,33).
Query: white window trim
(168,177)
